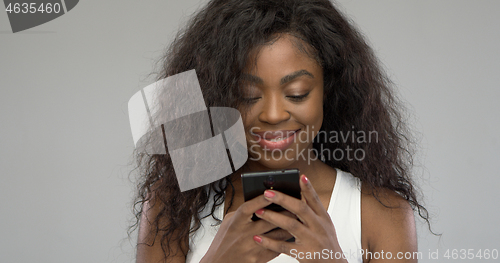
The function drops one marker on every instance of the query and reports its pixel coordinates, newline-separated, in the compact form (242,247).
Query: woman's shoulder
(377,202)
(387,221)
(150,238)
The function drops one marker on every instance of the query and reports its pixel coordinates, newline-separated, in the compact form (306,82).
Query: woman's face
(283,91)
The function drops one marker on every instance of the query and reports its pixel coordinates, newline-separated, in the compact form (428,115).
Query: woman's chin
(272,163)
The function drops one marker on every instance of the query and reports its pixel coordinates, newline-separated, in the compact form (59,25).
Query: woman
(296,70)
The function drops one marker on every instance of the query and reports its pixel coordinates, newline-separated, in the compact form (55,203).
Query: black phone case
(285,181)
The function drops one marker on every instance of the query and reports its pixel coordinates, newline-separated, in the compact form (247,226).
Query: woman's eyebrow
(295,75)
(256,80)
(252,79)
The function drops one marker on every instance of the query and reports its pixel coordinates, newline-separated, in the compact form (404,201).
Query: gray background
(65,143)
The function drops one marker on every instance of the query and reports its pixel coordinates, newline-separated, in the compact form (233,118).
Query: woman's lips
(275,140)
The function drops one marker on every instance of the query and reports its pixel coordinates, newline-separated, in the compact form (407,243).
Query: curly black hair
(217,43)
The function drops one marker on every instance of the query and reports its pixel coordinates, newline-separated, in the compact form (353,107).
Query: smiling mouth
(276,140)
(281,137)
(275,136)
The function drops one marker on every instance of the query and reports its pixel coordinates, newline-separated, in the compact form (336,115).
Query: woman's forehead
(281,49)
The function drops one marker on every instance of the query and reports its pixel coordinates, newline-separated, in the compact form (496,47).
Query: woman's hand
(315,233)
(234,240)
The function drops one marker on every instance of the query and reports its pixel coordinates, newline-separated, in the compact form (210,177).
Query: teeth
(276,139)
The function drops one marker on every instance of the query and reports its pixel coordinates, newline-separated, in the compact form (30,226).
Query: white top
(344,210)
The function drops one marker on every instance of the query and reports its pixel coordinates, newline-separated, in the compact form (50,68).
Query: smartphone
(285,181)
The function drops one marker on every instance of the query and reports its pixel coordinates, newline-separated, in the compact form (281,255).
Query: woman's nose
(274,111)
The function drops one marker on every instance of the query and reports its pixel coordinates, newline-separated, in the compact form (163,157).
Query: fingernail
(269,194)
(257,239)
(304,179)
(260,211)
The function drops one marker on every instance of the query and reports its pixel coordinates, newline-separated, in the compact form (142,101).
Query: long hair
(358,98)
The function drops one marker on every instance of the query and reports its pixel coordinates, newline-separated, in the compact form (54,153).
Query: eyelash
(293,98)
(250,100)
(298,98)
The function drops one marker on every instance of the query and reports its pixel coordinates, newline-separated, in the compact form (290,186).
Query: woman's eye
(251,100)
(298,97)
